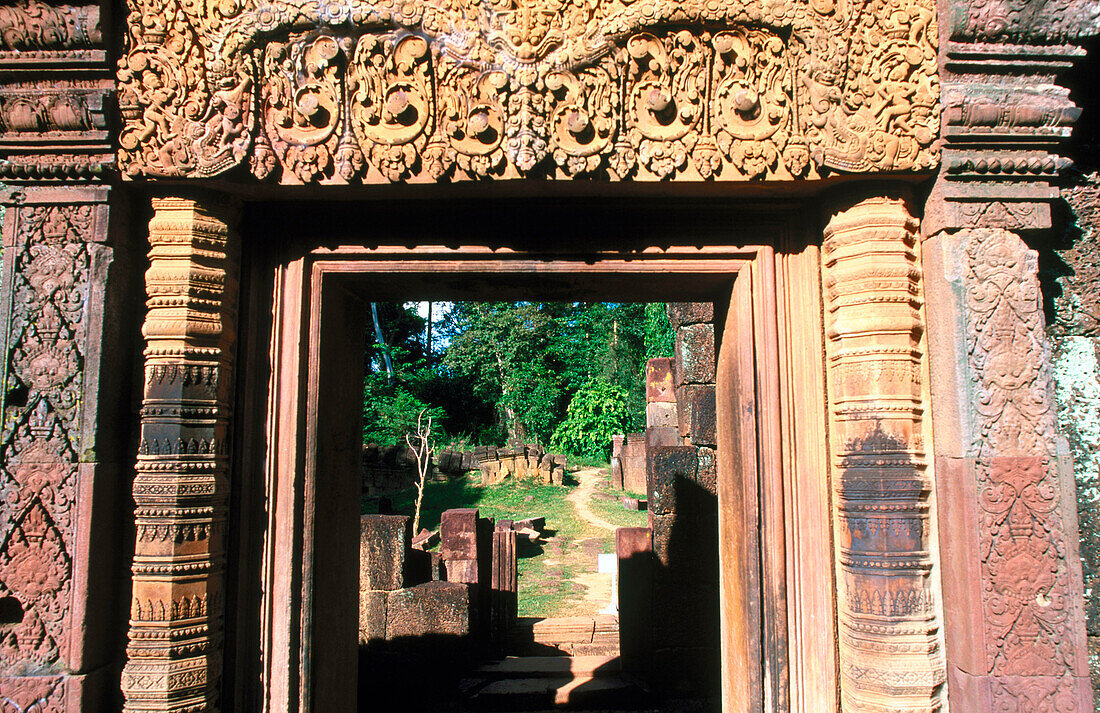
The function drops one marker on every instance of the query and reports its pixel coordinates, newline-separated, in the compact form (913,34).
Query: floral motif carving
(429,89)
(1022,22)
(34,25)
(41,439)
(1028,599)
(32,694)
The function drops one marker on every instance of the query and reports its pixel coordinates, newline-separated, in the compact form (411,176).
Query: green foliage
(598,411)
(390,411)
(660,338)
(510,370)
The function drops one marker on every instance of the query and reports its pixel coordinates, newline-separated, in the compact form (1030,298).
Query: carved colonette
(890,653)
(1006,509)
(309,91)
(181,487)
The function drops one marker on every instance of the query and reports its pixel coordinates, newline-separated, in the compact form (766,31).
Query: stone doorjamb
(300,429)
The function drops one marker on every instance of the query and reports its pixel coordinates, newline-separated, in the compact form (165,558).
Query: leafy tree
(660,339)
(390,411)
(597,411)
(513,370)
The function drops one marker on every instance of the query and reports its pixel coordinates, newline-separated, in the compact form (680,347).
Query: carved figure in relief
(1027,596)
(38,447)
(433,89)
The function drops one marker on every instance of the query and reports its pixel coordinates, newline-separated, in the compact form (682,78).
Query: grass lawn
(607,504)
(546,571)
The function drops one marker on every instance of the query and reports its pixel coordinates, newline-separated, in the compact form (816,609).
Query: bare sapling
(422,451)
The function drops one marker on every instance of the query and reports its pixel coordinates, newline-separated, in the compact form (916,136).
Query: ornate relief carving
(1033,637)
(34,25)
(71,107)
(1004,114)
(40,441)
(1022,22)
(53,83)
(48,269)
(173,657)
(33,694)
(889,629)
(430,89)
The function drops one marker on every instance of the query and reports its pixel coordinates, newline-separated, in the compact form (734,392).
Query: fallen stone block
(535,523)
(425,539)
(458,529)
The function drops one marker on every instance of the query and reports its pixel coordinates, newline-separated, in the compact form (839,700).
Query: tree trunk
(387,355)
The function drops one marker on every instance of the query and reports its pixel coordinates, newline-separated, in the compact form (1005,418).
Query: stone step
(536,694)
(552,666)
(564,636)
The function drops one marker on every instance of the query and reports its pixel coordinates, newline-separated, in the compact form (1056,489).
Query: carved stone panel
(890,655)
(54,86)
(47,248)
(302,91)
(1008,506)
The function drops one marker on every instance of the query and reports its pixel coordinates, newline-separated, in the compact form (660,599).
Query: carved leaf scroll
(1028,592)
(456,89)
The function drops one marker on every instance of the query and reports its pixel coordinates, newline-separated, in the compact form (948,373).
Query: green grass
(510,500)
(545,571)
(578,462)
(613,511)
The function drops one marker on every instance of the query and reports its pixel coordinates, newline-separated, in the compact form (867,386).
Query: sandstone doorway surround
(296,455)
(884,378)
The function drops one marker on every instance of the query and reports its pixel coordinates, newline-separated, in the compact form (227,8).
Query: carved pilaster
(889,629)
(1005,117)
(55,82)
(52,317)
(181,489)
(1008,520)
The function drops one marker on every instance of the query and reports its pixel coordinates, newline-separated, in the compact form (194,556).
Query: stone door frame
(773,633)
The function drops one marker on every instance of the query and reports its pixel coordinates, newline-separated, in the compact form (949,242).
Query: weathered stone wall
(1075,335)
(683,516)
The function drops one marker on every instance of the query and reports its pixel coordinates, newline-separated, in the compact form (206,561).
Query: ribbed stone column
(890,654)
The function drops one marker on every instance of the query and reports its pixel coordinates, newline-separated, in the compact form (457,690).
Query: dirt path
(582,495)
(597,586)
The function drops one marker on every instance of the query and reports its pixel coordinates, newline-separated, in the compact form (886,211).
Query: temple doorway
(306,294)
(496,437)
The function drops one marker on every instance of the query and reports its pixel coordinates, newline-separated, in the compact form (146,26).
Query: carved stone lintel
(180,490)
(426,91)
(890,654)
